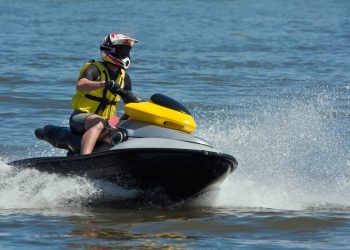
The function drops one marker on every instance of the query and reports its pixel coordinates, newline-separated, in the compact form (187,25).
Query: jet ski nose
(39,133)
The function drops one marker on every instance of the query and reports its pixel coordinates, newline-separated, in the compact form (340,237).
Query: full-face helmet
(116,48)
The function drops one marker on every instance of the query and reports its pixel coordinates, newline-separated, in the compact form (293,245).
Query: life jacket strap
(103,102)
(100,99)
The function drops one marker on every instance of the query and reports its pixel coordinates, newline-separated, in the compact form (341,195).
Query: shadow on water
(181,226)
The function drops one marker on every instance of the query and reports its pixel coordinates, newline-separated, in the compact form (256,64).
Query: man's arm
(127,82)
(90,80)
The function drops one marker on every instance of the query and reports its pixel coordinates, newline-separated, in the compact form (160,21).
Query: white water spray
(294,156)
(31,189)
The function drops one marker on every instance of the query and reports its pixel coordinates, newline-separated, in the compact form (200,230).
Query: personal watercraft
(154,149)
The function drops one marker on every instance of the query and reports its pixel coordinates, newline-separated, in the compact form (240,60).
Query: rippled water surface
(267,81)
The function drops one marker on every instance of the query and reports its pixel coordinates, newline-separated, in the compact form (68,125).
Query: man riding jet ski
(152,148)
(99,88)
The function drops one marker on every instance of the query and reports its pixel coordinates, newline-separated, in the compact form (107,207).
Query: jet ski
(152,149)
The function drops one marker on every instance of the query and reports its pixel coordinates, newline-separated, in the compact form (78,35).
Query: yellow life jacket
(100,101)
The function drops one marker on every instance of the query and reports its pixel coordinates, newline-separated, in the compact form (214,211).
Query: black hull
(180,174)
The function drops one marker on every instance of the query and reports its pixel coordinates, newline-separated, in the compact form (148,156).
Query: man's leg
(94,125)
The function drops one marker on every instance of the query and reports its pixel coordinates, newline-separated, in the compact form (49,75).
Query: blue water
(267,81)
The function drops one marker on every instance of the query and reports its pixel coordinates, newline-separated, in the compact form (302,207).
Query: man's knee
(95,121)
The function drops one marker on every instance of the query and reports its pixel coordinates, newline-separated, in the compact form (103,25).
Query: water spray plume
(292,155)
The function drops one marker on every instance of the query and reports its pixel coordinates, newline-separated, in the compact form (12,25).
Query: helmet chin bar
(125,62)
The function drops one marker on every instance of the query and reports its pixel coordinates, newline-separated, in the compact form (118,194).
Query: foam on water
(32,189)
(292,155)
(28,188)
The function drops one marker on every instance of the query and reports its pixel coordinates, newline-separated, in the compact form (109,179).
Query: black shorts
(77,121)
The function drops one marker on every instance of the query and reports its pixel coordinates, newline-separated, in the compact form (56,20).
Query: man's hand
(126,95)
(112,86)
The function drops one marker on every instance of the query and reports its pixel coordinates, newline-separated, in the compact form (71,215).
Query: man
(99,88)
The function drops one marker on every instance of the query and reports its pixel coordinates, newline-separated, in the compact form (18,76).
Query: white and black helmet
(116,48)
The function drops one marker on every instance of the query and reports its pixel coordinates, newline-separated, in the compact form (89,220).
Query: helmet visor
(121,51)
